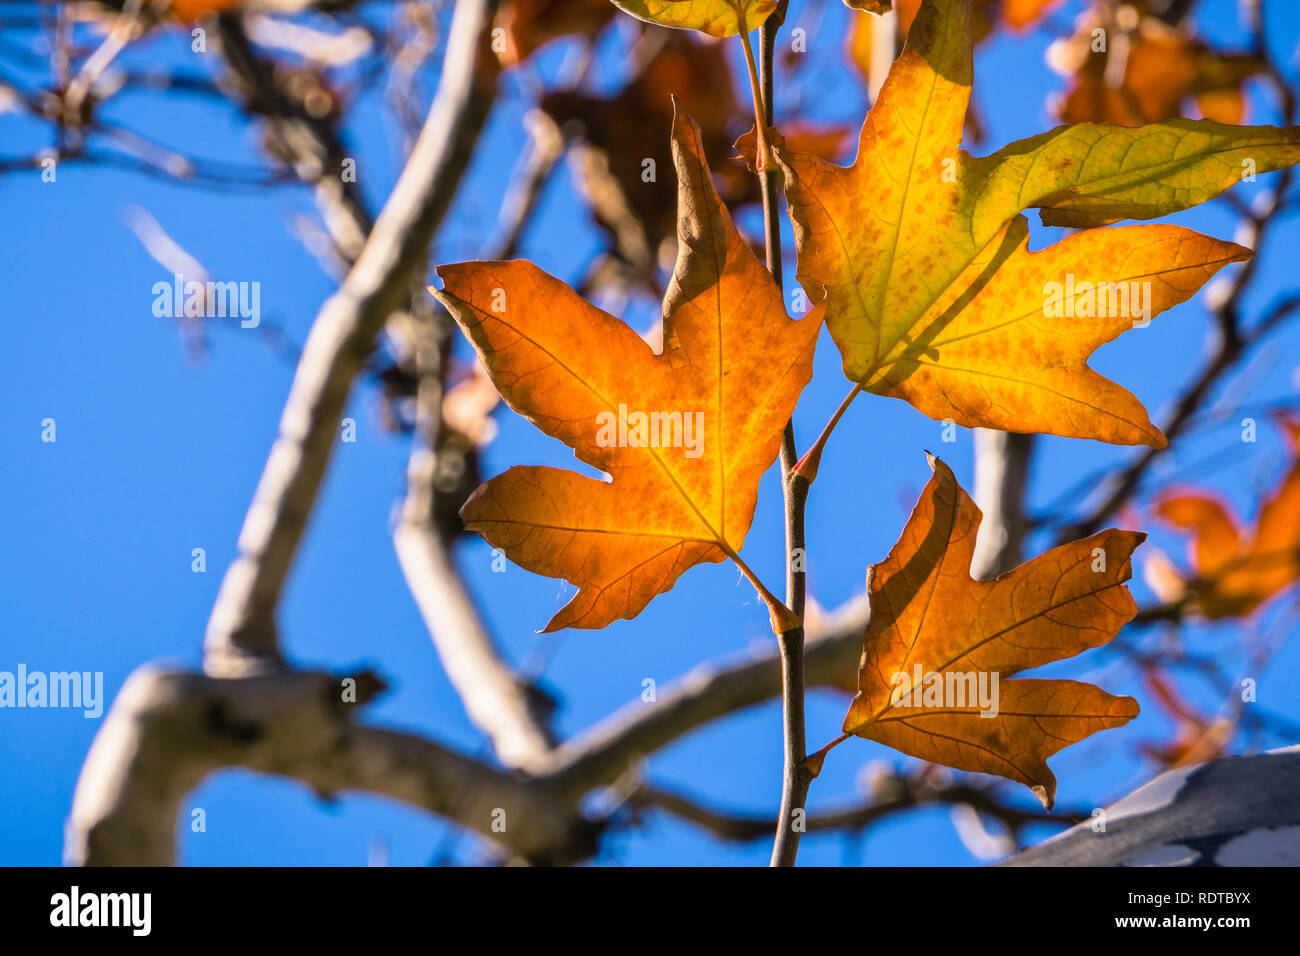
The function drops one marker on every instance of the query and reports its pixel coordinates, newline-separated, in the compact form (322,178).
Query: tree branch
(604,752)
(241,635)
(1001,475)
(167,730)
(507,708)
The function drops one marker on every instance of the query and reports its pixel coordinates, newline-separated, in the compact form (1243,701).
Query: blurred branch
(509,709)
(891,794)
(520,204)
(241,633)
(604,752)
(1001,476)
(167,730)
(309,143)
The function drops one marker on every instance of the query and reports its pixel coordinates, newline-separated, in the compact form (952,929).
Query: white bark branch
(167,730)
(1001,477)
(606,751)
(241,635)
(498,702)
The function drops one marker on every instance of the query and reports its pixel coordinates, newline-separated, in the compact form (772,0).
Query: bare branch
(891,795)
(507,708)
(241,635)
(168,730)
(1001,474)
(607,750)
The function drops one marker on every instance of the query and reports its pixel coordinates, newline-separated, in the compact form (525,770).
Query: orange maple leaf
(187,11)
(528,25)
(1147,72)
(933,295)
(939,645)
(685,433)
(1197,738)
(1233,574)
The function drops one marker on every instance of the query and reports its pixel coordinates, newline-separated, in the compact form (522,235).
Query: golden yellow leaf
(719,18)
(685,434)
(937,634)
(1232,573)
(933,295)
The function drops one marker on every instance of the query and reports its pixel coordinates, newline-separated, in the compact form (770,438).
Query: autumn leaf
(618,134)
(1147,72)
(1233,573)
(929,617)
(719,18)
(1020,14)
(684,434)
(1197,738)
(933,295)
(528,25)
(187,11)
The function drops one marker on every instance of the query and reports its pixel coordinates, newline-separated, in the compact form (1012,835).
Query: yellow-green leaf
(933,295)
(719,18)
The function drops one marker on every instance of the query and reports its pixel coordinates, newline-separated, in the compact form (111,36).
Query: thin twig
(796,777)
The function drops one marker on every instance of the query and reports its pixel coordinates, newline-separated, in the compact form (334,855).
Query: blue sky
(157,455)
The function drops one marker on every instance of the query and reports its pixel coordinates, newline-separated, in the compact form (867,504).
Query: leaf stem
(812,458)
(814,761)
(780,616)
(762,108)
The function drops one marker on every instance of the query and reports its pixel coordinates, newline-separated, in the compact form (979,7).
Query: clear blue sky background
(156,456)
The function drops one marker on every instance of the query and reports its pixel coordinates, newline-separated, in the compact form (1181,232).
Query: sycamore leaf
(684,434)
(929,617)
(878,7)
(1196,738)
(719,18)
(1023,13)
(1147,74)
(187,11)
(1233,573)
(529,25)
(933,295)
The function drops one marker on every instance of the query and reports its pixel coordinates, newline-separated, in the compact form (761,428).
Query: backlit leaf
(731,370)
(933,295)
(719,18)
(933,626)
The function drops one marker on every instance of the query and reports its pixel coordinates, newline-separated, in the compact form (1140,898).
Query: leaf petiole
(780,617)
(812,458)
(814,762)
(756,94)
